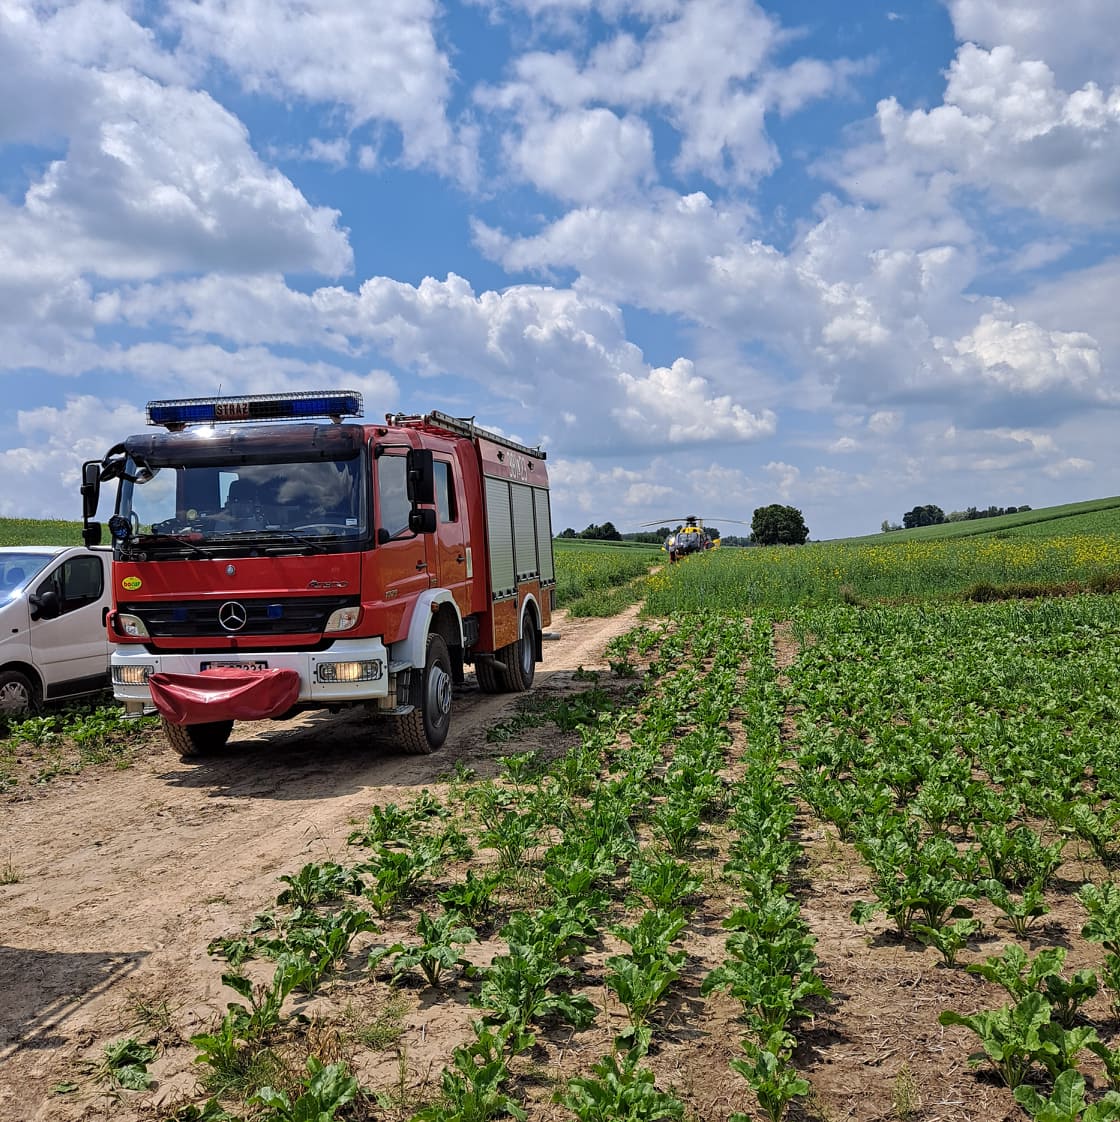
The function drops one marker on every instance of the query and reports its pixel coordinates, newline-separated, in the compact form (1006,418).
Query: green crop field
(1035,559)
(584,544)
(781,845)
(1097,516)
(35,531)
(600,578)
(831,840)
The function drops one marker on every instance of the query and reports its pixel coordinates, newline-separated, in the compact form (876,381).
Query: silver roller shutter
(524,532)
(544,534)
(499,533)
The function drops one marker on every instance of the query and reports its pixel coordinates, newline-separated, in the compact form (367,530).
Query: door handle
(460,558)
(421,565)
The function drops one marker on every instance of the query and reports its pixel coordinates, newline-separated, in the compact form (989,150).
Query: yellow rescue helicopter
(689,537)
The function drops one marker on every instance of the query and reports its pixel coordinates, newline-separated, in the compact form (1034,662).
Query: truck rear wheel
(490,678)
(196,740)
(521,658)
(425,729)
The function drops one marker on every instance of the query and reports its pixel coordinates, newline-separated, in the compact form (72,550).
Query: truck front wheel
(426,727)
(196,740)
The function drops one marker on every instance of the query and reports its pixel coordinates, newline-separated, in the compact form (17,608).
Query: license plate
(234,666)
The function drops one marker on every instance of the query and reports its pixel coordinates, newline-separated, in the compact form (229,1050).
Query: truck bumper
(352,670)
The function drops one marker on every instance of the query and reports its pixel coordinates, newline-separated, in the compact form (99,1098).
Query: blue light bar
(254,407)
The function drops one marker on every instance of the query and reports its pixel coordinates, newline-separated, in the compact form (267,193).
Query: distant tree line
(649,537)
(933,515)
(771,525)
(604,533)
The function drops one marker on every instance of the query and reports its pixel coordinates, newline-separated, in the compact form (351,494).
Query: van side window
(78,582)
(445,493)
(392,494)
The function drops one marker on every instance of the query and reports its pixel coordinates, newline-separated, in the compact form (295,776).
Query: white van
(53,641)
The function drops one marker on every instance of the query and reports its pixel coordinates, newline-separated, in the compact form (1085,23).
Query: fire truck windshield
(246,504)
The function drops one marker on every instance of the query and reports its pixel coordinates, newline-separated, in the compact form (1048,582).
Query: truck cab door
(452,539)
(403,564)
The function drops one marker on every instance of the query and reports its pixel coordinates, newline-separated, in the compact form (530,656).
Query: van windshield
(17,569)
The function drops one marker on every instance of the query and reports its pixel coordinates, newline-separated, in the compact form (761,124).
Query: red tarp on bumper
(224,695)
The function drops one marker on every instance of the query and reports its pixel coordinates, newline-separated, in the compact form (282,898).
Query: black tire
(196,740)
(491,679)
(425,729)
(18,694)
(521,657)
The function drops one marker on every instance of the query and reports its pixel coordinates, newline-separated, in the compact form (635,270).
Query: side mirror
(421,477)
(91,492)
(91,488)
(45,606)
(422,521)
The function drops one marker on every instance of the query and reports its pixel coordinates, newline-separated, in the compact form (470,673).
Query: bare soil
(122,878)
(125,876)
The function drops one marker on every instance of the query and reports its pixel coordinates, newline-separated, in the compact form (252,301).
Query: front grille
(185,619)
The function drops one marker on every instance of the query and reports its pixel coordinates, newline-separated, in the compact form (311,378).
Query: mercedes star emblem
(232,615)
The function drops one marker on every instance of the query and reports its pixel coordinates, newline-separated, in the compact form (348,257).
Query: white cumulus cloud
(585,155)
(677,401)
(1026,358)
(1007,127)
(381,61)
(1079,39)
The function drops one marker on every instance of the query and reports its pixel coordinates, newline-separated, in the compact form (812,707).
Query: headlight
(344,619)
(368,670)
(132,675)
(130,625)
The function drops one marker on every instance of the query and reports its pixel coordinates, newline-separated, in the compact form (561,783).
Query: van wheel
(196,740)
(18,695)
(426,727)
(521,658)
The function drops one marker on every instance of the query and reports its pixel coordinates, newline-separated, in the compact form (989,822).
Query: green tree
(604,533)
(930,515)
(779,525)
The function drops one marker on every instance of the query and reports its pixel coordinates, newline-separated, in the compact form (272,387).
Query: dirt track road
(125,876)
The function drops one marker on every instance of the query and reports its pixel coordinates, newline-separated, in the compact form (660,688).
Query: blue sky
(712,254)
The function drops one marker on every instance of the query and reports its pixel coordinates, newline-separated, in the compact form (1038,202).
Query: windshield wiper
(273,532)
(178,539)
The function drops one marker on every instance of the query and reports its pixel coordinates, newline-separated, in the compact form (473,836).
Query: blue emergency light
(254,407)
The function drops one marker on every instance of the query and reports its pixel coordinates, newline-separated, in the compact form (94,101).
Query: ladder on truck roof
(462,426)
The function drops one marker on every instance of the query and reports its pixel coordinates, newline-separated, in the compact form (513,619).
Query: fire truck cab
(270,556)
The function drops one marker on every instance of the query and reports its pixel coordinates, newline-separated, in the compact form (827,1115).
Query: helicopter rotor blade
(695,518)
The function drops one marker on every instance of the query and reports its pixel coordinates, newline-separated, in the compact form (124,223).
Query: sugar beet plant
(968,751)
(770,964)
(308,934)
(600,843)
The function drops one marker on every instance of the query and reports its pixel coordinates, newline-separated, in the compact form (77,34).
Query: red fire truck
(271,556)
